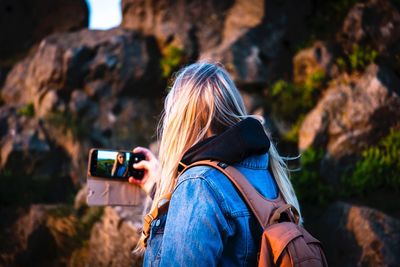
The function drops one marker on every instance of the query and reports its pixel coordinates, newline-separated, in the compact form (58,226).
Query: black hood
(238,142)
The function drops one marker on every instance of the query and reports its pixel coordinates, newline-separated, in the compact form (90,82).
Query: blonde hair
(117,165)
(203,99)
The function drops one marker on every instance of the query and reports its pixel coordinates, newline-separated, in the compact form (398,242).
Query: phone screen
(114,164)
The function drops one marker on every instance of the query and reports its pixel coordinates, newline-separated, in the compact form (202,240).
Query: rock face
(318,58)
(62,235)
(23,134)
(254,39)
(38,236)
(32,166)
(359,236)
(375,23)
(126,63)
(88,88)
(196,28)
(24,22)
(113,239)
(353,114)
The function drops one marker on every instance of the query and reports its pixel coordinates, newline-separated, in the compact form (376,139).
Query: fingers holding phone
(149,165)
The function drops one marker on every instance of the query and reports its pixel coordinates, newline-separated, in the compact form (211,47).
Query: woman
(207,222)
(119,168)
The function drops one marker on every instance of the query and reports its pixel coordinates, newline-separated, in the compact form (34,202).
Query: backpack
(284,242)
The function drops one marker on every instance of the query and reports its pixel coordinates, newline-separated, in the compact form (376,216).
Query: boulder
(353,114)
(25,22)
(115,237)
(374,23)
(359,236)
(3,74)
(196,28)
(89,89)
(320,57)
(41,235)
(125,61)
(261,52)
(33,168)
(254,39)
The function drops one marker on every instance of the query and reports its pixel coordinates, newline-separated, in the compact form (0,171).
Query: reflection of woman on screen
(119,169)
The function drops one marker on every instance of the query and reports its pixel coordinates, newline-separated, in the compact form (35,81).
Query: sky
(104,154)
(104,14)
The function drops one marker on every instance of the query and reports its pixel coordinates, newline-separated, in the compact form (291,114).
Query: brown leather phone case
(107,192)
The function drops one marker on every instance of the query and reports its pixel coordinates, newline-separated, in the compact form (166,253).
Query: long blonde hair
(203,99)
(117,165)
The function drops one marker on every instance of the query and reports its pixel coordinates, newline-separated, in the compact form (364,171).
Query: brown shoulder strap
(161,208)
(260,206)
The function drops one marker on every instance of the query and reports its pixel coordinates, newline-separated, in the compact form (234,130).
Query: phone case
(107,192)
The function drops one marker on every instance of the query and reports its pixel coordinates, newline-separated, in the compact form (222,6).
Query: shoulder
(207,174)
(200,175)
(206,179)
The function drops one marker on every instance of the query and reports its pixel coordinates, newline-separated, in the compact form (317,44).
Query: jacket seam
(251,166)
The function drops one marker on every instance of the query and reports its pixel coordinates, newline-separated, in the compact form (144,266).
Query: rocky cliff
(324,74)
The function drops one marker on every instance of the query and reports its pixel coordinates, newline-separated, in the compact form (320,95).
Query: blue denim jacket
(208,223)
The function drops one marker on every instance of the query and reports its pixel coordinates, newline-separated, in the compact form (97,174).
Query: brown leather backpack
(284,242)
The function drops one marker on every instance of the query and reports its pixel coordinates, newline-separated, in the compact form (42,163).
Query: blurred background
(77,74)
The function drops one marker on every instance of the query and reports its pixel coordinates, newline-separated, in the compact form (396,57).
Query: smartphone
(115,164)
(107,178)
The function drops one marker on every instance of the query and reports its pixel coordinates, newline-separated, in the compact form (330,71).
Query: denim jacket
(208,223)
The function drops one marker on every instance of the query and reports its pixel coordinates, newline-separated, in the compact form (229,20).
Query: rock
(50,102)
(123,60)
(32,167)
(38,235)
(353,114)
(359,236)
(375,23)
(318,58)
(80,203)
(26,149)
(90,89)
(259,53)
(113,239)
(254,39)
(196,28)
(25,22)
(3,74)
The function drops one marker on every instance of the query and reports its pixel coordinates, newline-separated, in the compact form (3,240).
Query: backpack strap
(261,207)
(161,208)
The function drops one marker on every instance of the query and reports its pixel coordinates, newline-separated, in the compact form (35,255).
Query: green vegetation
(358,59)
(291,102)
(104,166)
(379,167)
(378,170)
(172,58)
(75,233)
(309,186)
(68,123)
(89,218)
(28,110)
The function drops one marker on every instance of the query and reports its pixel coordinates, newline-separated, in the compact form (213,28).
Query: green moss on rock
(308,185)
(291,102)
(27,110)
(172,58)
(379,167)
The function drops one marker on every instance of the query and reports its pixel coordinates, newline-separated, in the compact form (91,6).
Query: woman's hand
(150,166)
